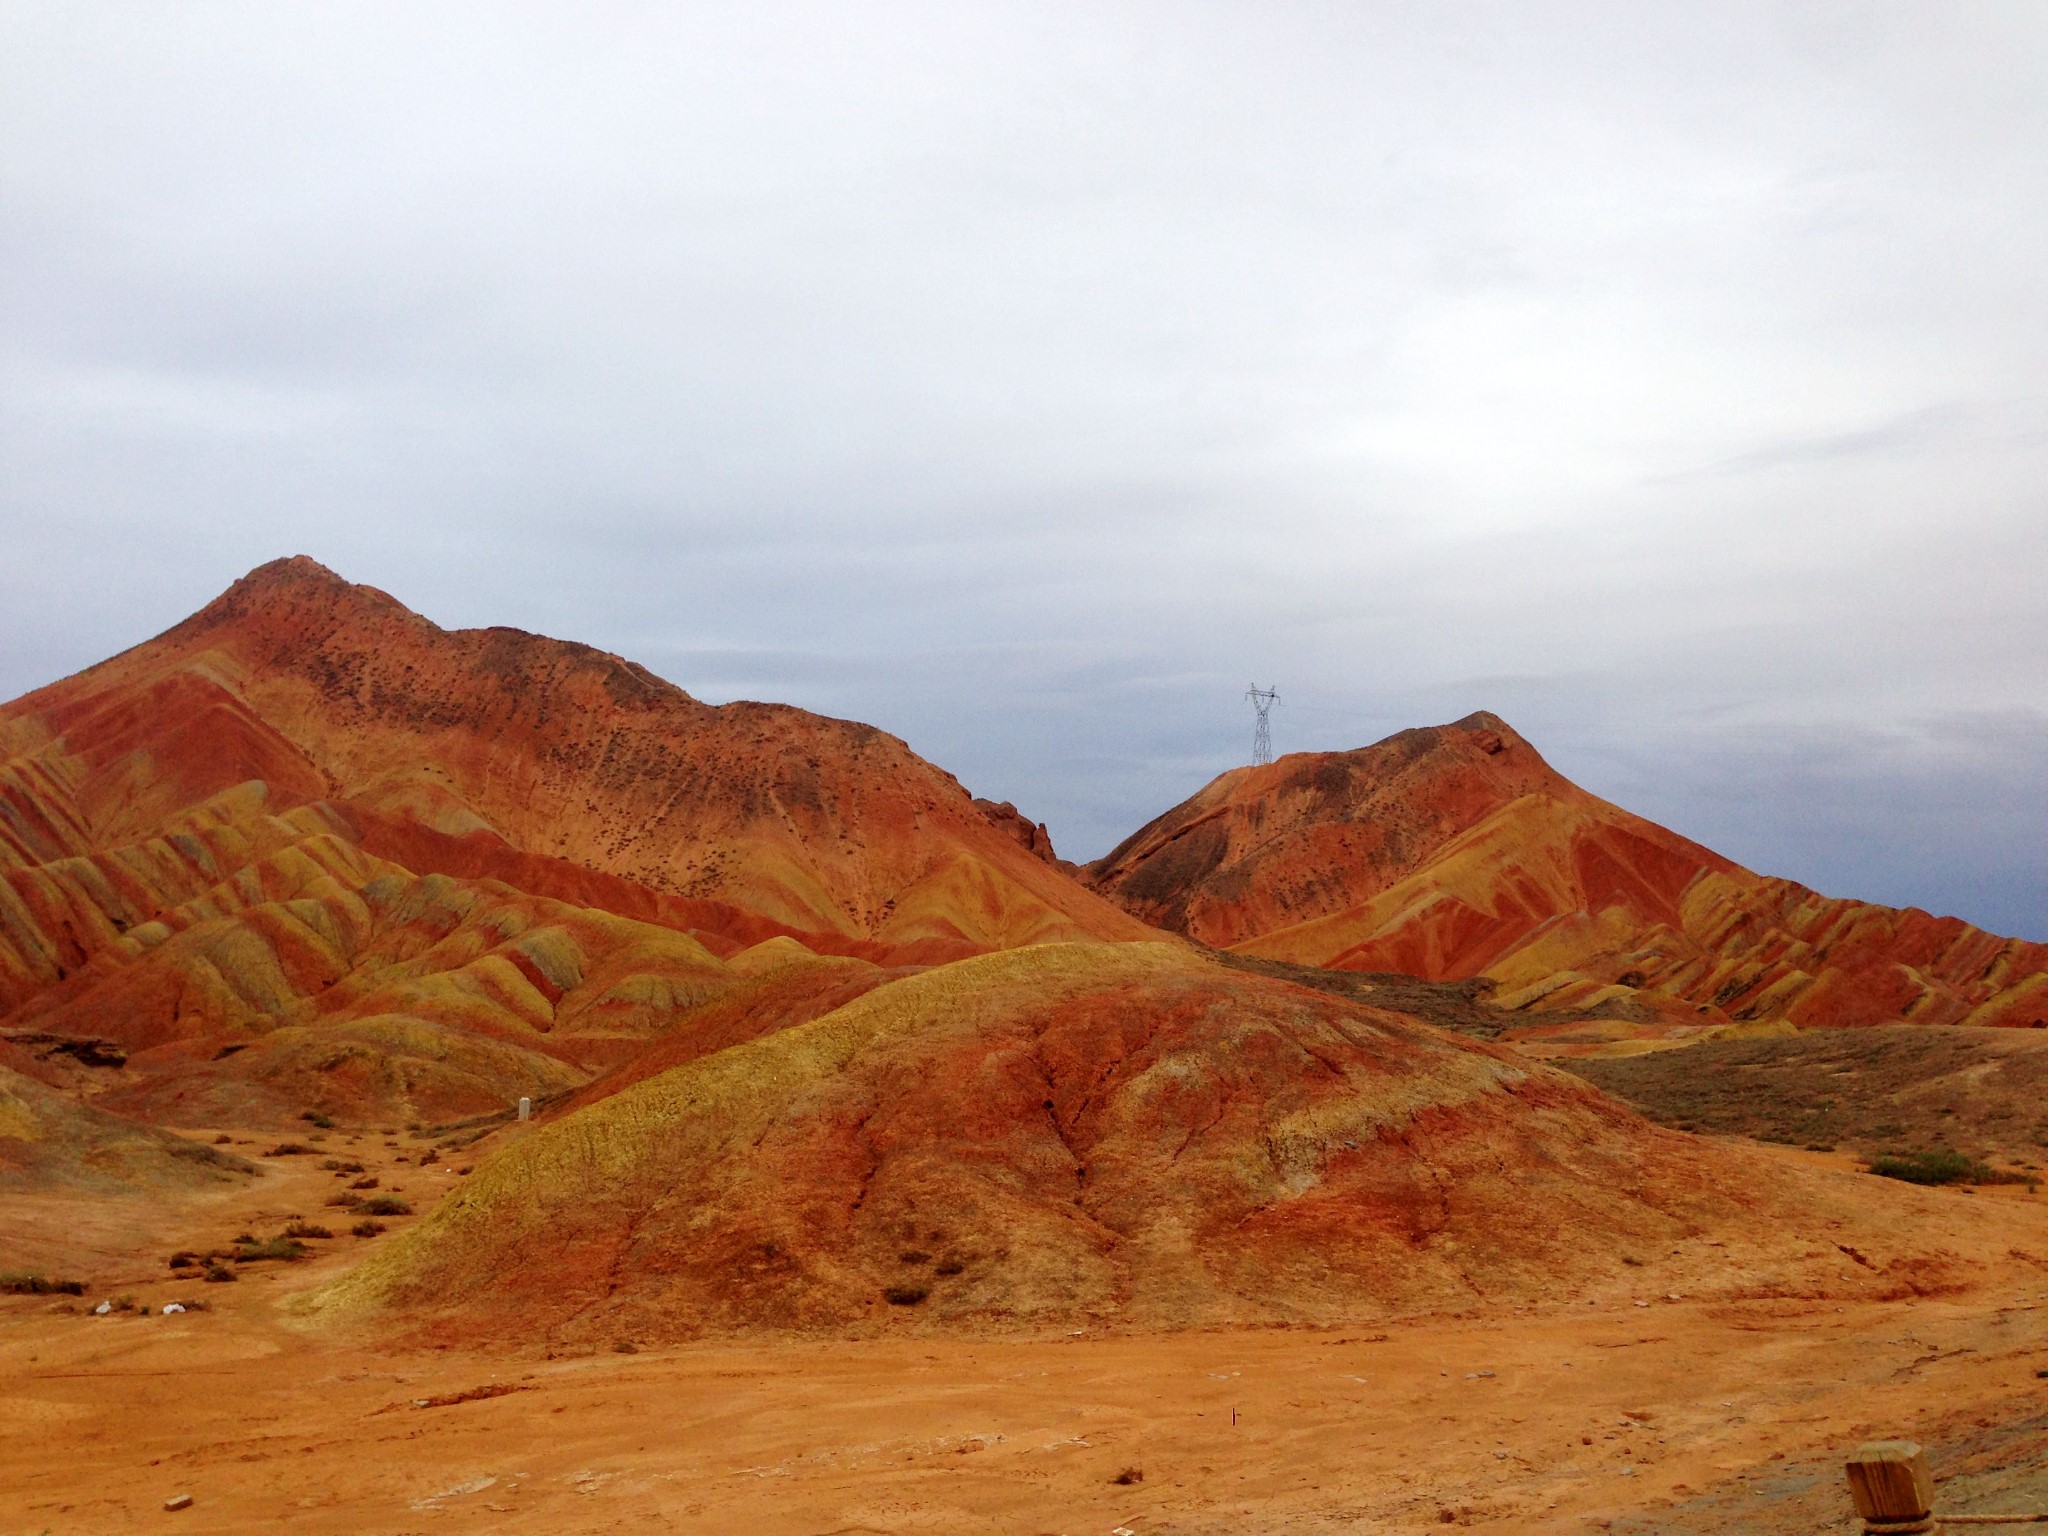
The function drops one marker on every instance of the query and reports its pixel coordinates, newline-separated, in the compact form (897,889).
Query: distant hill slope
(48,1142)
(1889,1088)
(1457,851)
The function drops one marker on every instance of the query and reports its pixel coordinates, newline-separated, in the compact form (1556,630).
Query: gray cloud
(1029,378)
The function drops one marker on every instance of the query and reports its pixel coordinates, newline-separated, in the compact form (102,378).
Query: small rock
(1500,1455)
(1642,1303)
(171,1307)
(178,1501)
(1628,1471)
(103,1309)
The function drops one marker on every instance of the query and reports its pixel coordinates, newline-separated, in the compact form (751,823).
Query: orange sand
(1277,1431)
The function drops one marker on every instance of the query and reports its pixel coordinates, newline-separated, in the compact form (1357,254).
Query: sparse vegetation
(37,1285)
(314,1117)
(1870,1091)
(289,1149)
(290,1250)
(366,1228)
(184,1258)
(306,1229)
(365,1183)
(218,1273)
(1128,1476)
(1944,1167)
(905,1295)
(384,1205)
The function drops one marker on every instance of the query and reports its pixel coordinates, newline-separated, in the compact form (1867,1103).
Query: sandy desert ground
(1628,1410)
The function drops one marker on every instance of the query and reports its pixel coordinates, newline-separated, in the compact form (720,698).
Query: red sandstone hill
(1457,851)
(1133,1134)
(563,769)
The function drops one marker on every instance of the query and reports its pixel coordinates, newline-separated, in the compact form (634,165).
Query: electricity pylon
(1263,700)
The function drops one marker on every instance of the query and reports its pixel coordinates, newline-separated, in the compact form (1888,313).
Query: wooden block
(1889,1480)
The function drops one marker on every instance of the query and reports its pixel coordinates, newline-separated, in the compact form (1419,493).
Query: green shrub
(285,1248)
(384,1205)
(314,1117)
(367,1228)
(1943,1167)
(306,1229)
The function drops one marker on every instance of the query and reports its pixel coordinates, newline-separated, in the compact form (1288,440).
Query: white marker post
(525,1108)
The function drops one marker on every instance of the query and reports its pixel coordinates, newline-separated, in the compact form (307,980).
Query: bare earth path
(1672,1417)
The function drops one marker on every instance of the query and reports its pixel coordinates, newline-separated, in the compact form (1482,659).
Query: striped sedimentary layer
(1125,1133)
(1456,852)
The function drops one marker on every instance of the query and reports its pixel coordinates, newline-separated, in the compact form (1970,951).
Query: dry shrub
(36,1285)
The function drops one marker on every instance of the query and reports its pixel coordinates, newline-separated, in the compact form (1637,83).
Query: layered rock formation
(1457,851)
(565,770)
(307,851)
(1130,1133)
(821,1042)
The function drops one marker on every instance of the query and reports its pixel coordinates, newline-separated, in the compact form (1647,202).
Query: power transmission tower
(1263,700)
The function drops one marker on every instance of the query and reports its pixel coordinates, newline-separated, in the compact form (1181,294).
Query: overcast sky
(1029,379)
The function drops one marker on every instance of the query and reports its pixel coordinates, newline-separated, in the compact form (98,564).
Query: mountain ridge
(1456,851)
(326,690)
